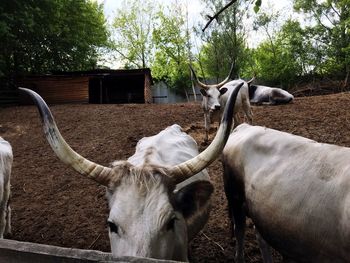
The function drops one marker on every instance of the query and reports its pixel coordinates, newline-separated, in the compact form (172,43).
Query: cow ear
(193,202)
(223,91)
(204,92)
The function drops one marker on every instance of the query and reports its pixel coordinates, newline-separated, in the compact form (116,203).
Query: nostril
(217,107)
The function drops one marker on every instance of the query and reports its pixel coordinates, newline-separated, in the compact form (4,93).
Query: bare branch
(127,58)
(216,243)
(335,10)
(211,18)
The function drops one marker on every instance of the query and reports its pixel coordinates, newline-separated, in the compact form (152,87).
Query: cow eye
(171,224)
(113,227)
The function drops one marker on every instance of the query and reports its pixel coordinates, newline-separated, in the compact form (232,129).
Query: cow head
(147,217)
(211,98)
(211,93)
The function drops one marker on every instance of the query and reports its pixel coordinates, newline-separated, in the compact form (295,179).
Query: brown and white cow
(6,159)
(295,190)
(215,98)
(158,198)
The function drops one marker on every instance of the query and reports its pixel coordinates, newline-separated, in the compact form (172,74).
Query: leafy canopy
(45,35)
(133,26)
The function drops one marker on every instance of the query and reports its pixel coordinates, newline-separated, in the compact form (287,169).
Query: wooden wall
(147,89)
(78,86)
(57,89)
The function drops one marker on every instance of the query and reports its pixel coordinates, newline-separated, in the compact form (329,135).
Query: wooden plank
(57,90)
(12,251)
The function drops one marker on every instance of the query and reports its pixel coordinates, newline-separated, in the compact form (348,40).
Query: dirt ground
(51,204)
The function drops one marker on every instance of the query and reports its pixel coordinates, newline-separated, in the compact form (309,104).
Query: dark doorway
(117,89)
(95,90)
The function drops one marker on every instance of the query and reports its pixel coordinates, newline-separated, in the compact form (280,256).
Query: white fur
(169,147)
(216,99)
(296,191)
(270,95)
(142,212)
(142,218)
(6,159)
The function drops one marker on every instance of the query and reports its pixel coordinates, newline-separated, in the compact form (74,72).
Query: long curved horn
(65,153)
(193,166)
(231,70)
(250,81)
(206,86)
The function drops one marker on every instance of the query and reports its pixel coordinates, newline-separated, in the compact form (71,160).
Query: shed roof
(106,72)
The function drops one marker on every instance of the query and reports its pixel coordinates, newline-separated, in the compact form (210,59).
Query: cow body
(6,159)
(259,94)
(242,102)
(295,190)
(215,98)
(159,197)
(214,101)
(170,147)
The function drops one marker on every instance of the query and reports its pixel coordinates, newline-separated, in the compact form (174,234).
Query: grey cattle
(259,94)
(159,197)
(215,98)
(295,190)
(6,159)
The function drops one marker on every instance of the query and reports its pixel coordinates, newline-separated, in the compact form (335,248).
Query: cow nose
(217,107)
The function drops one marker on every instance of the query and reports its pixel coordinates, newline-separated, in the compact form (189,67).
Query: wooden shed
(95,86)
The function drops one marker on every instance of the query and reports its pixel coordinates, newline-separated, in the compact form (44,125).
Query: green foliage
(257,6)
(225,43)
(276,68)
(45,35)
(288,54)
(148,36)
(134,25)
(218,55)
(172,48)
(285,57)
(318,48)
(330,33)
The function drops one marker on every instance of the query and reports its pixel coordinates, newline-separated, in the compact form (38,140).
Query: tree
(225,44)
(216,16)
(134,26)
(283,57)
(298,43)
(330,32)
(268,22)
(171,41)
(156,37)
(42,36)
(217,56)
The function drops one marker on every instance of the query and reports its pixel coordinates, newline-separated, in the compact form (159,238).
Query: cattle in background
(159,198)
(6,159)
(259,94)
(215,98)
(295,190)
